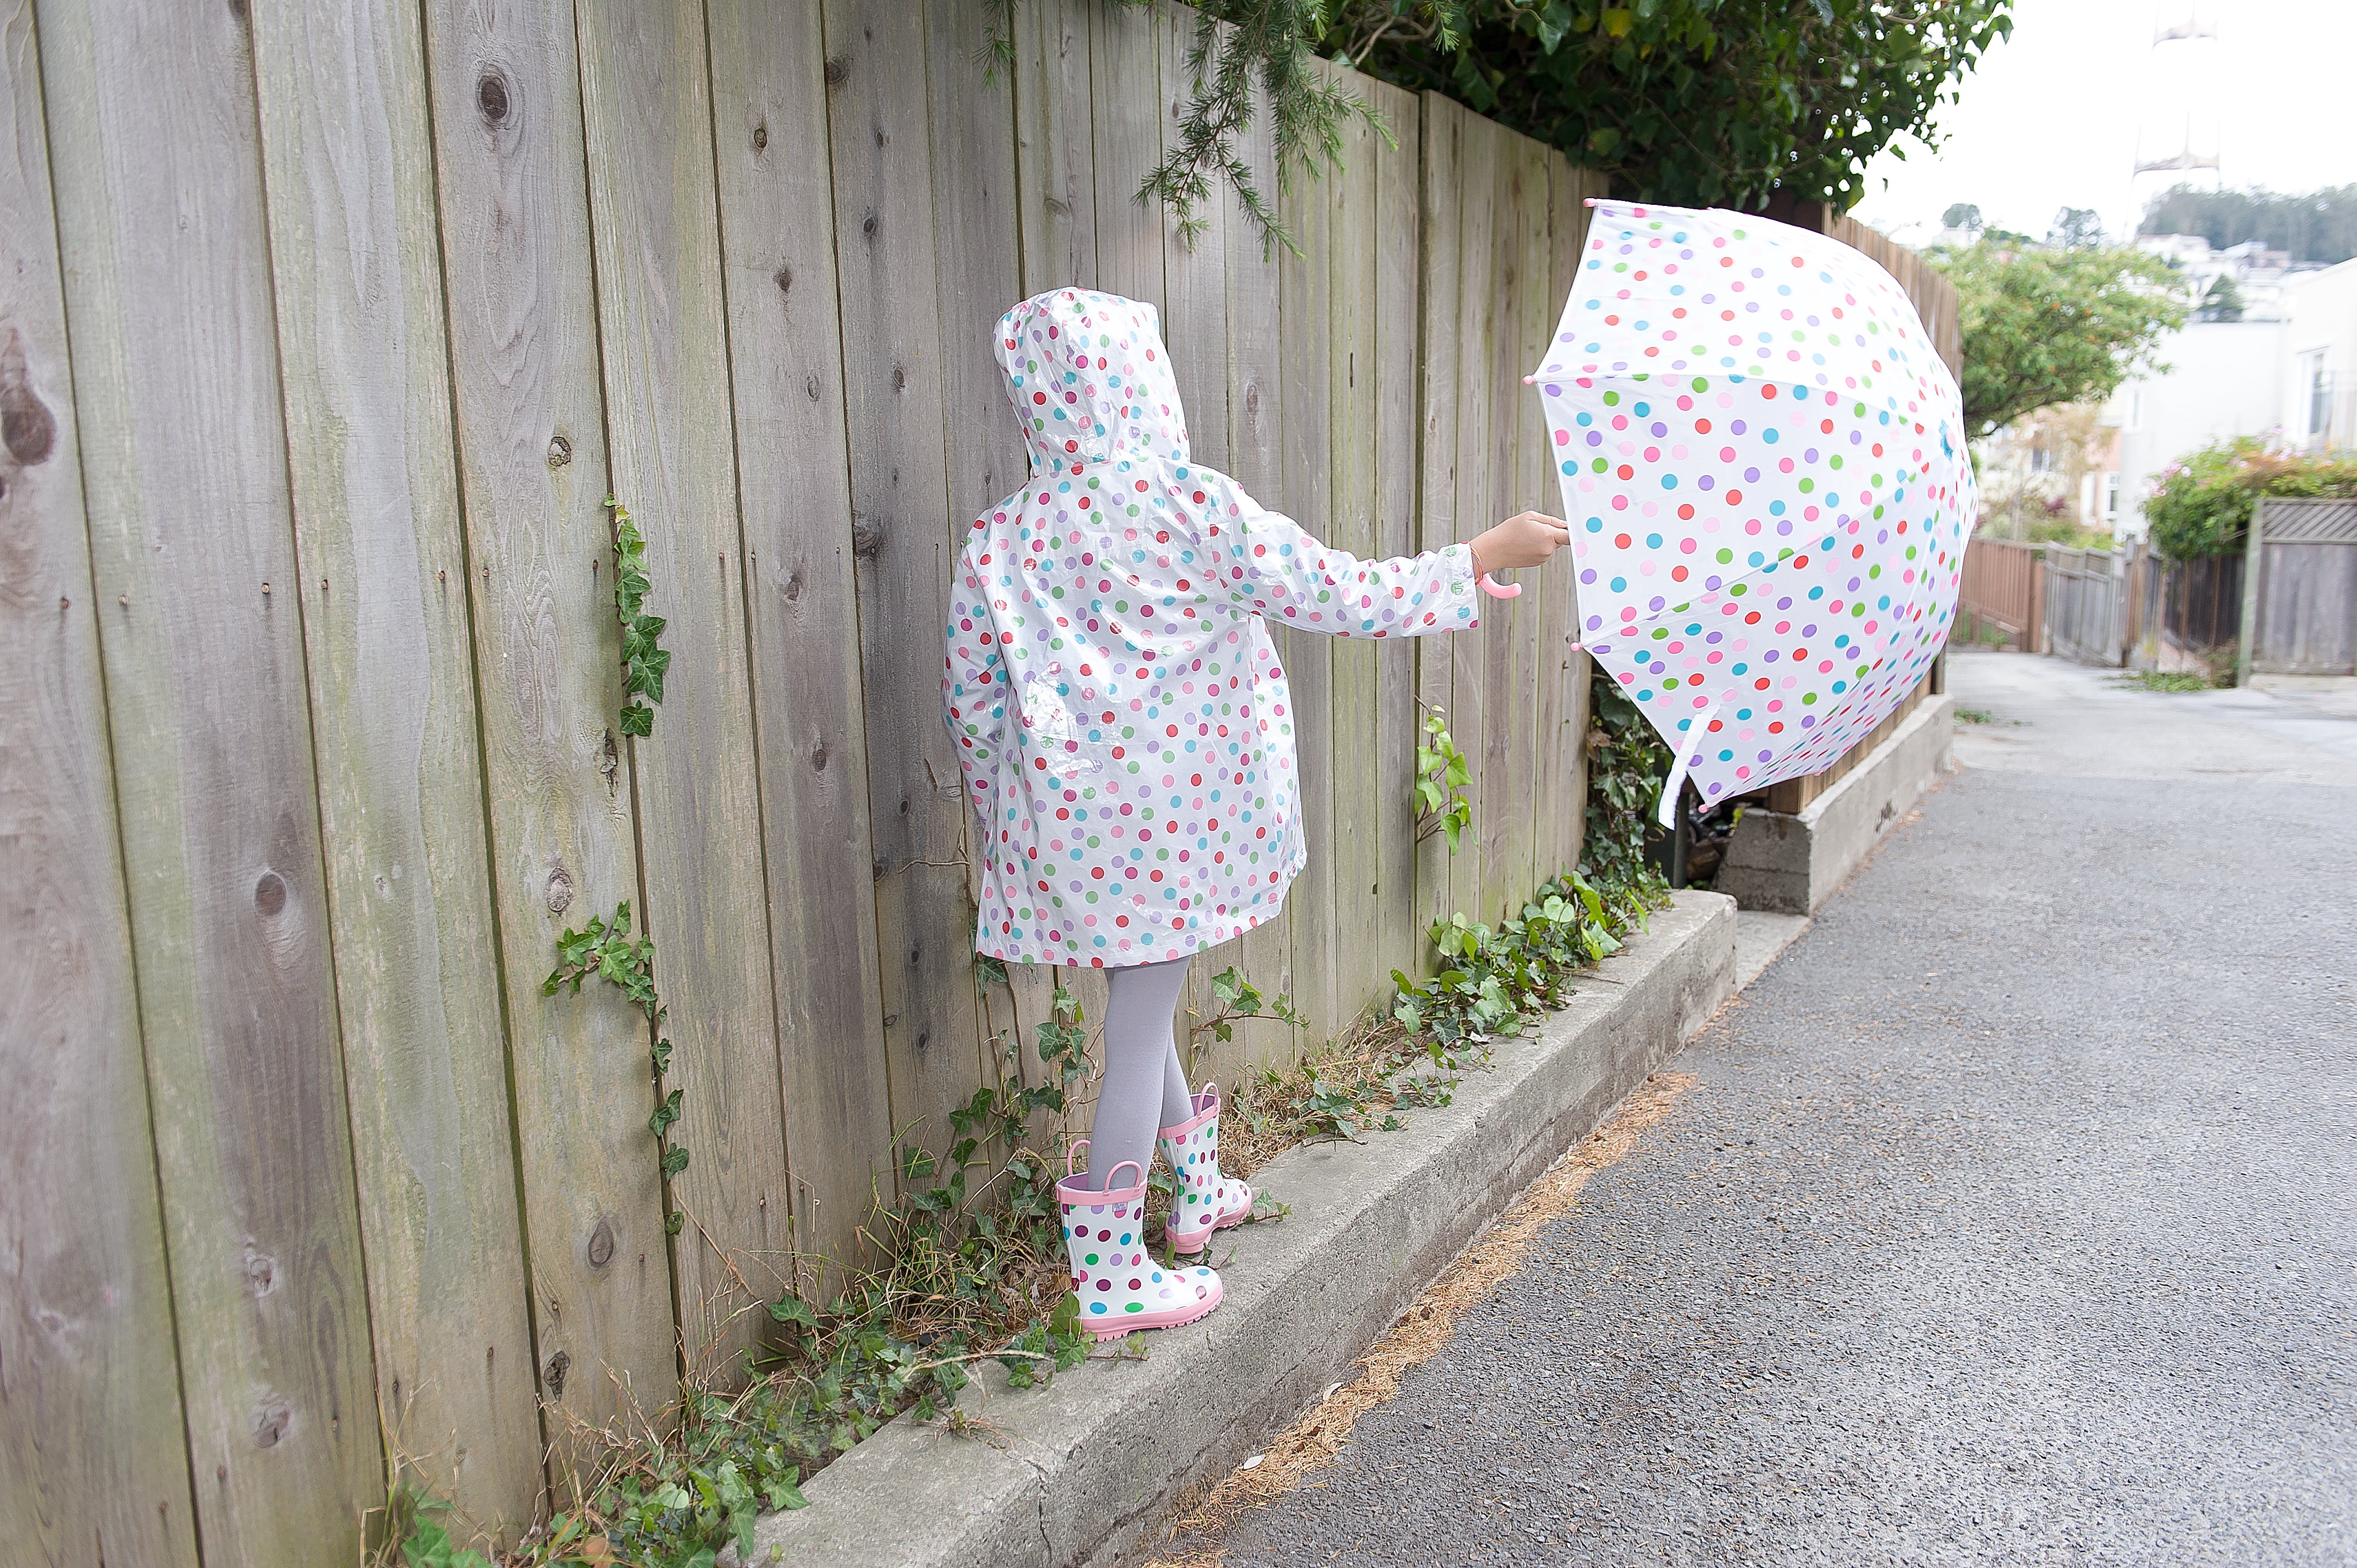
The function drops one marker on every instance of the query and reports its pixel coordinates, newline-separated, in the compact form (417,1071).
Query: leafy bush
(2043,326)
(1627,765)
(1700,103)
(2201,504)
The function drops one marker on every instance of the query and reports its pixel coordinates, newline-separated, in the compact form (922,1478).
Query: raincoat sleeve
(973,693)
(1273,568)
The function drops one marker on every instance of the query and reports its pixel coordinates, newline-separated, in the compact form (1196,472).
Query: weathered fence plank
(1304,327)
(1125,132)
(1479,159)
(1441,195)
(663,335)
(907,545)
(1397,243)
(506,111)
(358,282)
(1055,167)
(1530,316)
(1195,271)
(159,198)
(1255,444)
(94,1444)
(776,253)
(1358,786)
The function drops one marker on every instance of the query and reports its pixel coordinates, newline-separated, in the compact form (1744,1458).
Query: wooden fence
(2002,596)
(2299,590)
(325,332)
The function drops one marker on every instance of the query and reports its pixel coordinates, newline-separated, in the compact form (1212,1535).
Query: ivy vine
(605,950)
(644,659)
(1442,772)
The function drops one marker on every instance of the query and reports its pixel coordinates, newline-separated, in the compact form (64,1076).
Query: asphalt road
(2011,1218)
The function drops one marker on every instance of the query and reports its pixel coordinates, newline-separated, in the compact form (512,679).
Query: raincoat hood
(1091,381)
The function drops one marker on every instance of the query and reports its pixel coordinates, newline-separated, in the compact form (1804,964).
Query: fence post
(2247,633)
(2033,635)
(2132,602)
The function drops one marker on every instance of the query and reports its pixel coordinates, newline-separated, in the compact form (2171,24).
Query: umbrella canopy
(1763,466)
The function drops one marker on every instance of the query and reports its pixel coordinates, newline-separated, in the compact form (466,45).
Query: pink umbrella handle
(1489,587)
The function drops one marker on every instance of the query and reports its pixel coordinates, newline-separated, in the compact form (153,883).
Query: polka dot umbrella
(1763,466)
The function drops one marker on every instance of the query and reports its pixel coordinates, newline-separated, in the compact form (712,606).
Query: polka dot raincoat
(1117,706)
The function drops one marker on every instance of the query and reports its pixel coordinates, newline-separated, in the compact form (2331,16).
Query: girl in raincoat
(1128,741)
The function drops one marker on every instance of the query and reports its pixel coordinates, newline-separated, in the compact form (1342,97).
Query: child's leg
(1141,1070)
(1178,1101)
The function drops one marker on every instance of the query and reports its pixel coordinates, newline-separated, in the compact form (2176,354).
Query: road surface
(2010,1219)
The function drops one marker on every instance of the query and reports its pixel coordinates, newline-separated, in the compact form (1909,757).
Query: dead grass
(1201,1518)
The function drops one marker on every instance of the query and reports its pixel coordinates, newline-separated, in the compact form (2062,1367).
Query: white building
(2288,369)
(2224,378)
(2318,360)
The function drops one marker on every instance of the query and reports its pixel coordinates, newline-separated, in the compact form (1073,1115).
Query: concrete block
(1791,862)
(1080,1471)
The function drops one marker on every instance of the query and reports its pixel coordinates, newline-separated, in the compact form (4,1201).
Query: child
(1128,741)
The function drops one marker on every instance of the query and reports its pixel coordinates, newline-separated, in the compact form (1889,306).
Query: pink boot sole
(1167,1317)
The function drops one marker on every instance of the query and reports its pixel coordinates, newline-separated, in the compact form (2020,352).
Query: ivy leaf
(638,720)
(674,1160)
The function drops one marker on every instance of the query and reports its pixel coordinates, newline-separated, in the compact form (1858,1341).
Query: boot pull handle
(1072,1154)
(1124,1165)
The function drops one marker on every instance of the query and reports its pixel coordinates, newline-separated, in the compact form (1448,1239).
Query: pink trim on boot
(1218,1202)
(1121,1285)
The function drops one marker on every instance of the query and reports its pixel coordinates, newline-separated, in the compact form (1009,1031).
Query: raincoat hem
(1186,944)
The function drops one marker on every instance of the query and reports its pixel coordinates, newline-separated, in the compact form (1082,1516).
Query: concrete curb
(1792,863)
(1080,1471)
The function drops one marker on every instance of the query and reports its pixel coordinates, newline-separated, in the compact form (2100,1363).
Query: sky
(2059,114)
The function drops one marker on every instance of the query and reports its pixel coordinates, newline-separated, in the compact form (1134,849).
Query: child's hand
(1526,539)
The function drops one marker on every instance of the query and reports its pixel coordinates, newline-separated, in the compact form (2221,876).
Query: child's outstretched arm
(1278,570)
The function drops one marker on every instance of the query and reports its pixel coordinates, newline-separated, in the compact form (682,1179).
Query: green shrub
(2201,504)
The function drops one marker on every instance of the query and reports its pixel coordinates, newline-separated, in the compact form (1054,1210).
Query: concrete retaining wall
(1791,862)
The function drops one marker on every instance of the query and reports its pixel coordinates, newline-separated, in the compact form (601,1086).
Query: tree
(2223,302)
(1962,215)
(2320,226)
(2045,326)
(2076,228)
(1696,102)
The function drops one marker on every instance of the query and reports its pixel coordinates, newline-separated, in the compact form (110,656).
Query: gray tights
(1145,1090)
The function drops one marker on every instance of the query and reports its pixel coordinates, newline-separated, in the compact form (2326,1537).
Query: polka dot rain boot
(1204,1200)
(1121,1285)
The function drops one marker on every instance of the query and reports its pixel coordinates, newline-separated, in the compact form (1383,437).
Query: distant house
(2262,322)
(2317,366)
